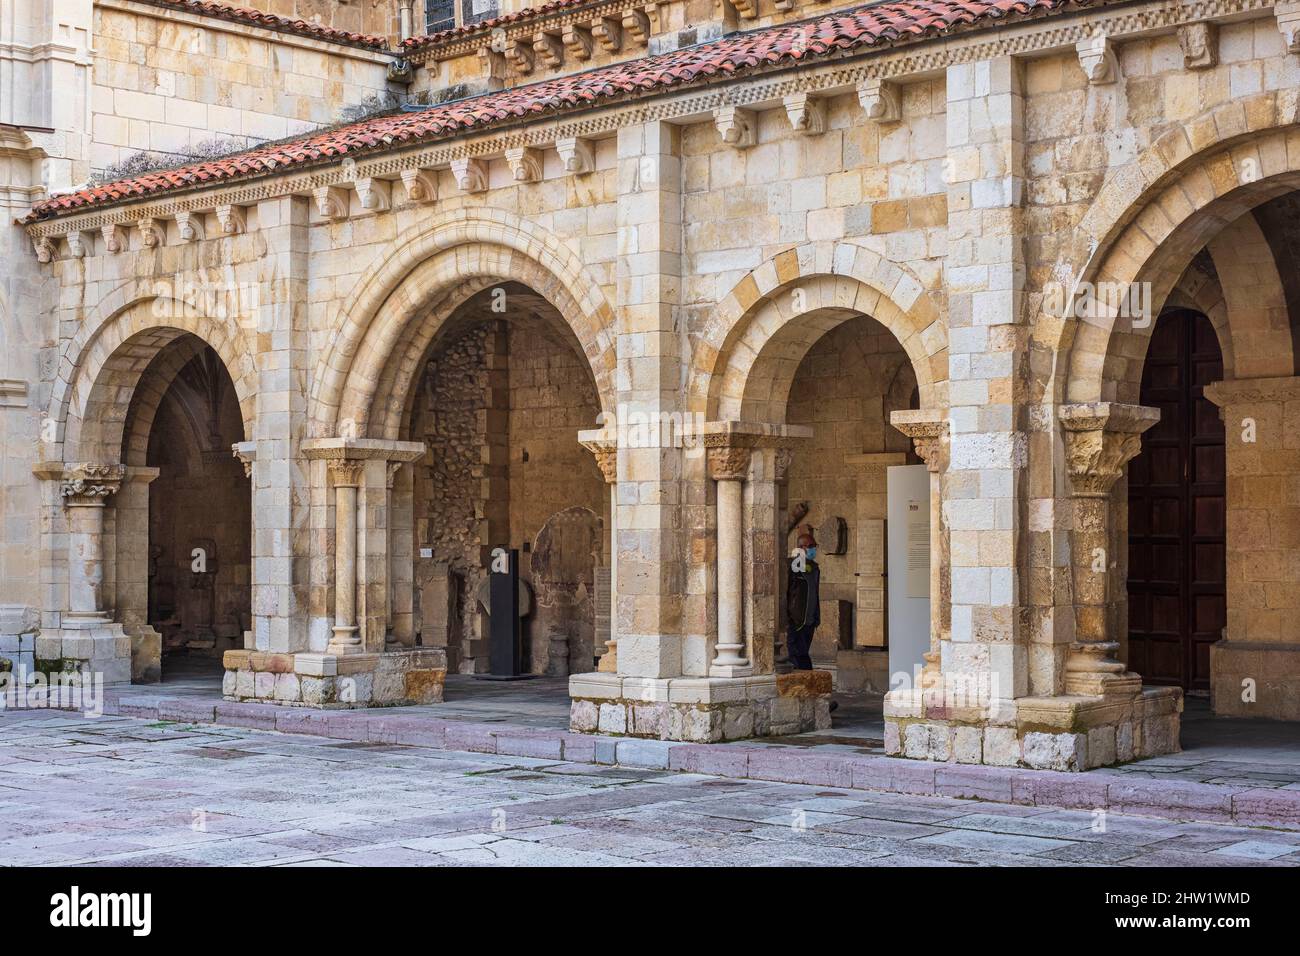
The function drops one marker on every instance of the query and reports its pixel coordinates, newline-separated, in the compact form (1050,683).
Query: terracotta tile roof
(272,22)
(732,55)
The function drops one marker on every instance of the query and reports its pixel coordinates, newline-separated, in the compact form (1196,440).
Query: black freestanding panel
(503,643)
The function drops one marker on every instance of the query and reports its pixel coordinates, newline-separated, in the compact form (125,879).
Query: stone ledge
(1182,802)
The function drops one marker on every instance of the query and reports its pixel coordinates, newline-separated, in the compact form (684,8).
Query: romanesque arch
(749,350)
(1152,217)
(101,367)
(420,267)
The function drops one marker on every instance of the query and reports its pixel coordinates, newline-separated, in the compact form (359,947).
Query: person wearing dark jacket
(803,601)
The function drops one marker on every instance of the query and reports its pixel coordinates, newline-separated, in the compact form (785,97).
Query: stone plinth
(700,709)
(1045,733)
(92,646)
(334,682)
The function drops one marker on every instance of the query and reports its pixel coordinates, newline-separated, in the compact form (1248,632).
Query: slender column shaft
(347,476)
(730,642)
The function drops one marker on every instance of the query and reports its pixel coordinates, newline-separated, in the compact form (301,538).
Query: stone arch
(418,268)
(752,345)
(100,368)
(1153,216)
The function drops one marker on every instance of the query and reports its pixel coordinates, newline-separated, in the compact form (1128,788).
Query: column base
(333,682)
(92,645)
(1255,679)
(1069,733)
(609,660)
(700,709)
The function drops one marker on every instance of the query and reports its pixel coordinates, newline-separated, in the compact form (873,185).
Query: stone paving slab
(1244,803)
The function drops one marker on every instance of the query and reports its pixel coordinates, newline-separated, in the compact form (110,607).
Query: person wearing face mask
(803,601)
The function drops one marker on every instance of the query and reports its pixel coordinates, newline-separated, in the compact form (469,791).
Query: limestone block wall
(167,82)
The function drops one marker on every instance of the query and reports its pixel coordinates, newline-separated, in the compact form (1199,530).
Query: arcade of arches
(1053,280)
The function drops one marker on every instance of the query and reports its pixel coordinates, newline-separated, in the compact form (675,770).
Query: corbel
(1097,57)
(577,41)
(520,56)
(549,48)
(421,185)
(189,226)
(44,249)
(880,100)
(113,238)
(151,233)
(471,174)
(375,195)
(525,164)
(738,127)
(609,33)
(232,219)
(577,154)
(636,23)
(76,244)
(1200,43)
(331,201)
(807,113)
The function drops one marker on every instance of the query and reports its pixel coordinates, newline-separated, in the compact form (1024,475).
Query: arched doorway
(1177,599)
(183,420)
(498,399)
(845,388)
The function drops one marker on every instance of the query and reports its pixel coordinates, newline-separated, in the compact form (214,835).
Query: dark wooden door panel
(1177,607)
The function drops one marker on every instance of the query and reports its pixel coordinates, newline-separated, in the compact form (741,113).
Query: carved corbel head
(525,164)
(738,127)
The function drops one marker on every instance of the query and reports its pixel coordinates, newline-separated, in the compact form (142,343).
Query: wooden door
(1176,590)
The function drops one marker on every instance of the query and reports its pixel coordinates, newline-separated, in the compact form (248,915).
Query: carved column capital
(928,429)
(729,462)
(1100,439)
(604,445)
(345,472)
(90,484)
(246,453)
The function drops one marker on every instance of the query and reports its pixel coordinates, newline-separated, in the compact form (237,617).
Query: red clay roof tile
(813,39)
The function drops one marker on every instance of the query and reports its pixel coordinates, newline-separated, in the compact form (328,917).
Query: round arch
(100,368)
(1149,220)
(755,338)
(418,269)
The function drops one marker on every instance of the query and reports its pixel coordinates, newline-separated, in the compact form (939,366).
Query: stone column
(86,488)
(728,467)
(928,430)
(605,447)
(390,592)
(1100,439)
(345,476)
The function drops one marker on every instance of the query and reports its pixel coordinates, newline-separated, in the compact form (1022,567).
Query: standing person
(803,601)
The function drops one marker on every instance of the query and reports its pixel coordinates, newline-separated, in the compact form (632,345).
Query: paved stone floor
(121,791)
(1258,753)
